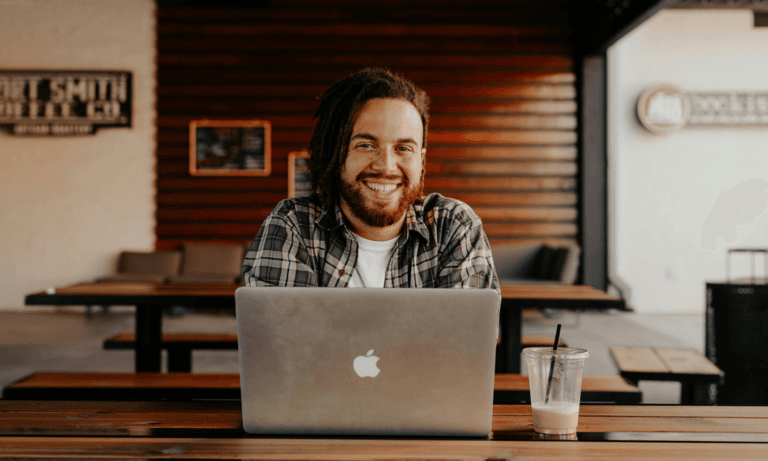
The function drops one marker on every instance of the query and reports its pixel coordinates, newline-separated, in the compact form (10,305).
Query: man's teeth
(382,187)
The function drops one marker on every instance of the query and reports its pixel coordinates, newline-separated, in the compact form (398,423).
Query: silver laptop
(367,361)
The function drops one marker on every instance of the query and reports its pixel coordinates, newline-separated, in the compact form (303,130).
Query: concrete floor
(65,339)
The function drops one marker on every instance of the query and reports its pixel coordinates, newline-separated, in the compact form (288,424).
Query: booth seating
(693,371)
(536,264)
(193,263)
(210,263)
(216,386)
(148,266)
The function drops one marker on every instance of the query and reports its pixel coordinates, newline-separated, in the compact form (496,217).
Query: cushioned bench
(203,386)
(179,346)
(693,371)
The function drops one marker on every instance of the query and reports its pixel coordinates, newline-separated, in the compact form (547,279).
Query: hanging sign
(64,103)
(665,109)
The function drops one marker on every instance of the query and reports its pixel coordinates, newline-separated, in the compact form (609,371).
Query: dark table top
(222,295)
(196,430)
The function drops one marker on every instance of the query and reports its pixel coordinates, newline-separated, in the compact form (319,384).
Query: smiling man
(367,224)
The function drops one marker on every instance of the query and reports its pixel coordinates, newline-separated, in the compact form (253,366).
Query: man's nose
(386,160)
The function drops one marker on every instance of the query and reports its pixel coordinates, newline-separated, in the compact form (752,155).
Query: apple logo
(365,366)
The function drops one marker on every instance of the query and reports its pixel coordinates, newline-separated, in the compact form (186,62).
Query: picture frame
(230,148)
(298,174)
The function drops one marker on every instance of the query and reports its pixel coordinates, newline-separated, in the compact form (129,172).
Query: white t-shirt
(372,261)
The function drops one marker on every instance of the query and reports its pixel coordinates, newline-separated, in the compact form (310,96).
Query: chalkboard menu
(229,147)
(298,174)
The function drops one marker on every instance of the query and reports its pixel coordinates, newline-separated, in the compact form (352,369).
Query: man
(367,224)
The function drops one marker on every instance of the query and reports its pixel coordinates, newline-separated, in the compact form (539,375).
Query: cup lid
(562,353)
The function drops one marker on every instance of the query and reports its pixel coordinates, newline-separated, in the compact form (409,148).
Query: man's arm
(466,260)
(278,256)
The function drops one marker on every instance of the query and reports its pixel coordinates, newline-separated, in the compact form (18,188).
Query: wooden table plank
(589,383)
(657,411)
(687,361)
(638,360)
(325,449)
(588,423)
(200,419)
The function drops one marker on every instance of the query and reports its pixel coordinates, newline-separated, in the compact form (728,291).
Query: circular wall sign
(663,109)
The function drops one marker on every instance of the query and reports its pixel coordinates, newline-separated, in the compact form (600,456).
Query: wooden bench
(693,371)
(514,389)
(179,346)
(540,341)
(508,389)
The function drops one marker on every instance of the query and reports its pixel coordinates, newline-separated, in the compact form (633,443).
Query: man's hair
(339,106)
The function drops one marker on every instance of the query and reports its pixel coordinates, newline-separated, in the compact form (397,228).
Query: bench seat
(181,345)
(693,371)
(508,389)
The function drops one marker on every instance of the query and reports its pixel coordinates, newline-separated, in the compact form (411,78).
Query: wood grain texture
(638,359)
(500,75)
(687,361)
(324,449)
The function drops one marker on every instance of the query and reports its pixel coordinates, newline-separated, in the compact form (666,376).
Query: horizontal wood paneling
(499,74)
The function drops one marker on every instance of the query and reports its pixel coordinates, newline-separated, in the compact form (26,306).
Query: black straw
(552,365)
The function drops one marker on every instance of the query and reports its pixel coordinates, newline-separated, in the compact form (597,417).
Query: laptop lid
(376,361)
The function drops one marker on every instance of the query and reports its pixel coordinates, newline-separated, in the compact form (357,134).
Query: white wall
(68,205)
(678,201)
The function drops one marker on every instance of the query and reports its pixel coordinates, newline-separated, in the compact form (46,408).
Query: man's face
(381,176)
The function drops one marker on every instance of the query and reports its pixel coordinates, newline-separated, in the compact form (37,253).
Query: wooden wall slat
(205,75)
(435,91)
(180,44)
(499,74)
(238,109)
(449,121)
(435,137)
(364,30)
(519,183)
(434,152)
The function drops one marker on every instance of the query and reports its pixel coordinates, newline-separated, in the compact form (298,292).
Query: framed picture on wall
(298,174)
(229,148)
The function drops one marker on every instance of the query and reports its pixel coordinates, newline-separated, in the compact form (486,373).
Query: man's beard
(371,214)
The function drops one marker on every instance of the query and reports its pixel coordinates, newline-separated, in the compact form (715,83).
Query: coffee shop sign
(666,109)
(64,103)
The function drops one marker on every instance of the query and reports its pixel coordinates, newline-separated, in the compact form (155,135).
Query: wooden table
(212,430)
(150,299)
(515,298)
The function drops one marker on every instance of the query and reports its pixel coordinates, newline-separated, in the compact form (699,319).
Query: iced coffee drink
(555,401)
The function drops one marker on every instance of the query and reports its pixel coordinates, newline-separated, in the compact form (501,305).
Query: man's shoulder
(438,207)
(297,209)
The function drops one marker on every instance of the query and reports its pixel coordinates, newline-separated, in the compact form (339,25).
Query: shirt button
(342,272)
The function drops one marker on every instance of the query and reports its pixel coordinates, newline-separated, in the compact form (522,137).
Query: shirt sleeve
(278,256)
(466,261)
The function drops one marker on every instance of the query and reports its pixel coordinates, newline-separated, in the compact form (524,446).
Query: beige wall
(68,205)
(677,202)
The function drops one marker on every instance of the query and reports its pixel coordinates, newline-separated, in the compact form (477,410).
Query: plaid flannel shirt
(300,243)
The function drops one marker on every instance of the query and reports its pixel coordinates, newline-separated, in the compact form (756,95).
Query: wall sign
(229,148)
(64,103)
(298,174)
(665,109)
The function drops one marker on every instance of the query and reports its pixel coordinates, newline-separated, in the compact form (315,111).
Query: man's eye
(405,149)
(364,145)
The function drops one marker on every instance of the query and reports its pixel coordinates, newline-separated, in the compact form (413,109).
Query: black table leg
(149,327)
(508,359)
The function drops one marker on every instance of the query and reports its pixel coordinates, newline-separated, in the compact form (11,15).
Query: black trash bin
(737,336)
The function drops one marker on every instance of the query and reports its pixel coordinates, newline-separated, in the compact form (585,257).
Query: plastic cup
(558,412)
